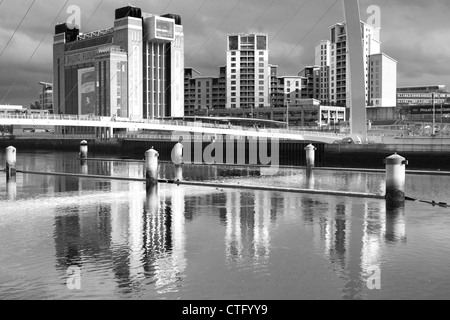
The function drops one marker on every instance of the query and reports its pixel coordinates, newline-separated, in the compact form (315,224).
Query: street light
(287,114)
(434,114)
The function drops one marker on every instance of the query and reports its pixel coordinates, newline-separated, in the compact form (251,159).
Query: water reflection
(247,239)
(143,238)
(119,233)
(11,188)
(395,225)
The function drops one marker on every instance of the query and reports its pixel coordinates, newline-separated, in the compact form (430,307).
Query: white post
(83,149)
(11,188)
(10,162)
(178,173)
(84,167)
(151,166)
(310,181)
(310,156)
(177,154)
(395,180)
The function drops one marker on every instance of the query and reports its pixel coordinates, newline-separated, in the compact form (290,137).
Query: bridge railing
(53,136)
(109,120)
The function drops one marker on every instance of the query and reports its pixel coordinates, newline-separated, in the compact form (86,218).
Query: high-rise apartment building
(204,94)
(134,69)
(332,58)
(248,77)
(323,61)
(382,81)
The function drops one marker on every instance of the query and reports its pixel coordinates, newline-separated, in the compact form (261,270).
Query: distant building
(46,97)
(311,76)
(204,94)
(382,81)
(422,95)
(331,57)
(134,69)
(248,77)
(323,60)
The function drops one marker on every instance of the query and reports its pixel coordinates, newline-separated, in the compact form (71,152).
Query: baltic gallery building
(133,70)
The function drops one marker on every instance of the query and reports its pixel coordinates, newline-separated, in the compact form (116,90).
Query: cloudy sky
(414,32)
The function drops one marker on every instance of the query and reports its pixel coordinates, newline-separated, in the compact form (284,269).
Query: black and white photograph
(222,156)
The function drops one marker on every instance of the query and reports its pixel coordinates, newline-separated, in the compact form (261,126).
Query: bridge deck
(178,127)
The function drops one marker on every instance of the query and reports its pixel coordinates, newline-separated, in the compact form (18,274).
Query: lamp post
(434,114)
(287,114)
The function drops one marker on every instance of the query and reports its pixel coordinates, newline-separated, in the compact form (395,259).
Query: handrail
(110,120)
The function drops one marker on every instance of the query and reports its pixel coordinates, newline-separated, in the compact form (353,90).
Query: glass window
(164,29)
(261,43)
(233,42)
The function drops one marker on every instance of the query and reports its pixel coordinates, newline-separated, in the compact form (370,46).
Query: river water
(181,242)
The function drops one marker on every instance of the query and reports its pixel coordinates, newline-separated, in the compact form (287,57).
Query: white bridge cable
(35,50)
(17,28)
(40,43)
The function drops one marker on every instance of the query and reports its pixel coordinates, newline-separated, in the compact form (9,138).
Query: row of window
(422,95)
(233,53)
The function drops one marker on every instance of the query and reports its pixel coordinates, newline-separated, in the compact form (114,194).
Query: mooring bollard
(310,156)
(310,182)
(11,156)
(177,153)
(178,173)
(395,180)
(84,167)
(151,166)
(11,188)
(83,149)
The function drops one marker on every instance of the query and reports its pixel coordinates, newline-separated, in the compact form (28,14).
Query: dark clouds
(414,32)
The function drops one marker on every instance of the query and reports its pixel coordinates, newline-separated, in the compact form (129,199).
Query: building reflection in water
(353,238)
(141,237)
(247,239)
